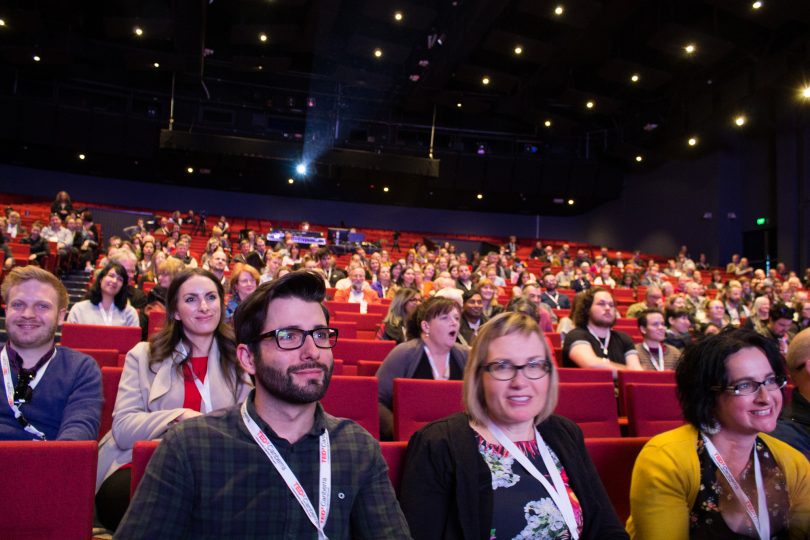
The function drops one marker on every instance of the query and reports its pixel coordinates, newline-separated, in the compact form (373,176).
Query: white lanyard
(604,346)
(558,493)
(10,390)
(436,375)
(760,519)
(555,298)
(203,388)
(659,366)
(106,315)
(325,482)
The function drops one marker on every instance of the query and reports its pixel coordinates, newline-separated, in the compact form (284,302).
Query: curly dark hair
(583,306)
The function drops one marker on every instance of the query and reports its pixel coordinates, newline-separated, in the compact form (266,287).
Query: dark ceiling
(244,109)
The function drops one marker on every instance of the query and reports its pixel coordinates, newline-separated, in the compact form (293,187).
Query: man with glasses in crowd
(278,465)
(52,393)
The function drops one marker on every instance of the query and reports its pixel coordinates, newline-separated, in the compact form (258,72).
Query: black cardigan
(446,489)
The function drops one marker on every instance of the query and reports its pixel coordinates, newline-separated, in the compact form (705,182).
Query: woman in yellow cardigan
(720,476)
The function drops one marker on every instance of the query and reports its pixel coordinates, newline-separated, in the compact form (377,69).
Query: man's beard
(281,385)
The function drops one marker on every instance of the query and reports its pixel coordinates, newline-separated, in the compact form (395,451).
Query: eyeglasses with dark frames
(506,371)
(750,387)
(290,339)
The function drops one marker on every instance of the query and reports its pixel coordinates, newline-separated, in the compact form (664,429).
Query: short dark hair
(702,369)
(94,294)
(780,311)
(249,318)
(642,317)
(470,293)
(583,308)
(428,311)
(675,314)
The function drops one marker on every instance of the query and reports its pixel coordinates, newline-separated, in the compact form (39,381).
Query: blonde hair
(21,274)
(504,324)
(237,271)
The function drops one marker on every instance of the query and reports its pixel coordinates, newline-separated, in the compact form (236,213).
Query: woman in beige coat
(187,369)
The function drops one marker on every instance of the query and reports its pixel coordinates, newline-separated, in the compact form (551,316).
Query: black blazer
(446,488)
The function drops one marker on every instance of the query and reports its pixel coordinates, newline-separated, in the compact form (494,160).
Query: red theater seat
(369,321)
(352,350)
(582,375)
(110,377)
(420,401)
(592,406)
(333,307)
(367,368)
(103,357)
(354,398)
(47,489)
(141,454)
(640,377)
(652,409)
(614,459)
(394,454)
(157,318)
(346,329)
(96,336)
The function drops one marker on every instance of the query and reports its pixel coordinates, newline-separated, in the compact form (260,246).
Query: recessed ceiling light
(2,22)
(547,123)
(37,58)
(692,141)
(559,10)
(806,92)
(378,53)
(756,5)
(570,202)
(590,104)
(639,158)
(485,81)
(156,64)
(263,37)
(385,189)
(740,120)
(138,31)
(479,196)
(459,104)
(518,50)
(82,157)
(290,180)
(690,48)
(634,77)
(397,16)
(190,170)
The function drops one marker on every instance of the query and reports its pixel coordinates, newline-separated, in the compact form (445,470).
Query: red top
(193,399)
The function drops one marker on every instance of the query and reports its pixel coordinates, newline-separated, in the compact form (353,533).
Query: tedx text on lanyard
(557,492)
(758,517)
(325,479)
(9,387)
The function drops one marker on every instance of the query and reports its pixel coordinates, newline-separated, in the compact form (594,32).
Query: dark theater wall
(134,194)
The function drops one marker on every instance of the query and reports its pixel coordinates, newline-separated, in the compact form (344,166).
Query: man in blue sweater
(50,393)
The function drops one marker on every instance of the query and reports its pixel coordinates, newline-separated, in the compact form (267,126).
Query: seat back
(592,406)
(614,458)
(354,398)
(346,329)
(110,377)
(652,409)
(367,368)
(47,489)
(394,455)
(640,377)
(420,401)
(157,318)
(333,307)
(103,357)
(581,375)
(98,336)
(380,309)
(141,454)
(352,350)
(365,321)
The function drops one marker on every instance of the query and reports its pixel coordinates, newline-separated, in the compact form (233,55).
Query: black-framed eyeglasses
(506,371)
(290,339)
(747,388)
(23,391)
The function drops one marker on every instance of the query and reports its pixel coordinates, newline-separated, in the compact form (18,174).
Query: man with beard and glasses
(594,343)
(52,393)
(278,465)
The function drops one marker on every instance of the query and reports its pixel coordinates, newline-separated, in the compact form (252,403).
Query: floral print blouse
(522,508)
(717,515)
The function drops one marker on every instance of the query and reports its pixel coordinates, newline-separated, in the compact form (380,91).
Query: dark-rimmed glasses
(747,388)
(506,371)
(290,339)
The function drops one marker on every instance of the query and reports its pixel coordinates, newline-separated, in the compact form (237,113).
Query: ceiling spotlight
(756,5)
(547,123)
(2,22)
(570,202)
(479,196)
(518,50)
(138,31)
(692,141)
(385,189)
(559,10)
(37,58)
(485,81)
(82,157)
(458,105)
(397,16)
(690,48)
(190,170)
(634,77)
(290,180)
(806,92)
(156,64)
(639,158)
(378,53)
(740,120)
(301,169)
(590,104)
(263,37)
